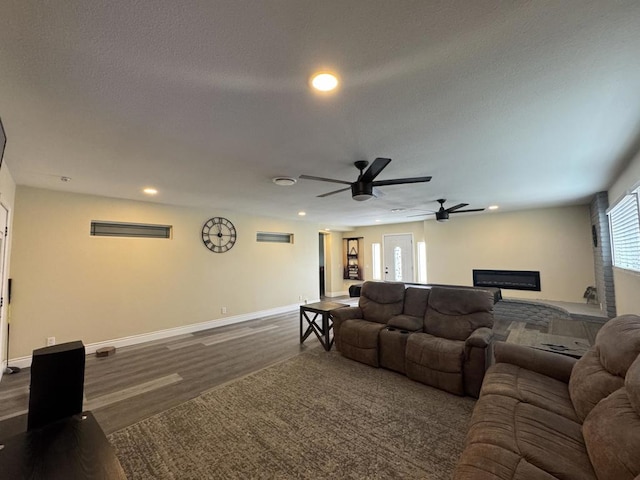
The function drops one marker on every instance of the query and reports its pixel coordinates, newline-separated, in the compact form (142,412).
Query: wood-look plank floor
(146,379)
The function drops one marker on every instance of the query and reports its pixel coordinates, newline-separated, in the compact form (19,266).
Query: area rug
(317,415)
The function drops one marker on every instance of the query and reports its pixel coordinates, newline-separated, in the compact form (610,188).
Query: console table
(322,331)
(72,448)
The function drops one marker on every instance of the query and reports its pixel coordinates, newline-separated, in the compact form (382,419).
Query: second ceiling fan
(364,187)
(442,215)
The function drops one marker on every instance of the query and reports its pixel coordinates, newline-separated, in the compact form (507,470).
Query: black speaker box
(57,383)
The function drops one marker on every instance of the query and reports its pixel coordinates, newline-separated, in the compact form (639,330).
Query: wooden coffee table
(322,330)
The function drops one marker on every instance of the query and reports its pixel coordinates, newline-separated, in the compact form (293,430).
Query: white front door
(398,257)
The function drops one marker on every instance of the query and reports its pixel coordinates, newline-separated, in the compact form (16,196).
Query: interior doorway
(4,326)
(321,254)
(398,257)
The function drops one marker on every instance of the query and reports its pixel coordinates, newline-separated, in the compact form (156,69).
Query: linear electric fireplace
(509,279)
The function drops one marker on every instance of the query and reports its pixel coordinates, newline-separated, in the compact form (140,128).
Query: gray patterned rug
(316,415)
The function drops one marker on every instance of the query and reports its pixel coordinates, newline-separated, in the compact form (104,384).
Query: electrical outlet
(51,341)
(299,297)
(223,310)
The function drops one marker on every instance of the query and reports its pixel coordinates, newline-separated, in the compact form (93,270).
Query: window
(377,264)
(624,221)
(272,237)
(422,262)
(113,229)
(397,264)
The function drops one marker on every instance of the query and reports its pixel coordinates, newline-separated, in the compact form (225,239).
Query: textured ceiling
(523,104)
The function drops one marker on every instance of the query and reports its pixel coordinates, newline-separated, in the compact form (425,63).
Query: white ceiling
(523,104)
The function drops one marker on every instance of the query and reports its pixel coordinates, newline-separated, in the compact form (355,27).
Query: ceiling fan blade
(422,214)
(374,169)
(456,207)
(335,191)
(471,210)
(400,181)
(322,179)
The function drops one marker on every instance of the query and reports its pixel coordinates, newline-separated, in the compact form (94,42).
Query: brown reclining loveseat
(438,336)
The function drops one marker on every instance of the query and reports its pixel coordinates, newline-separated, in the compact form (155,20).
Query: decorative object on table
(219,235)
(364,187)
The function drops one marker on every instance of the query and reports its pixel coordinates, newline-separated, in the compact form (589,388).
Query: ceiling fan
(365,187)
(442,215)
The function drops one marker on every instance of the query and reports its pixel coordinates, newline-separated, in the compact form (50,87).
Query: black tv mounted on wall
(3,142)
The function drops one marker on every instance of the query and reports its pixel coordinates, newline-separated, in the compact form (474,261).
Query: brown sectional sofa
(438,336)
(542,415)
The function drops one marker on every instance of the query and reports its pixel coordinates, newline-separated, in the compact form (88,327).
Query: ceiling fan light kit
(284,181)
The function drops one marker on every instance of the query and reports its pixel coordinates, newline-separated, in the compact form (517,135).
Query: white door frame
(4,211)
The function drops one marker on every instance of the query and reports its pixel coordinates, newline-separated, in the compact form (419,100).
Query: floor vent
(113,229)
(271,237)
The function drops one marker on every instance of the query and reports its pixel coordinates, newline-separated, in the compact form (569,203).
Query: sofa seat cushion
(529,387)
(435,361)
(547,441)
(482,461)
(359,341)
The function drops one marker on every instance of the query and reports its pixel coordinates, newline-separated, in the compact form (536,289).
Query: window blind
(624,220)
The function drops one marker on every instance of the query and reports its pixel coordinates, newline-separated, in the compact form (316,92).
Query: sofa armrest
(551,364)
(406,322)
(345,313)
(481,338)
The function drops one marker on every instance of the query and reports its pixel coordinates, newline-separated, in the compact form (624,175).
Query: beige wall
(555,241)
(7,198)
(627,283)
(74,286)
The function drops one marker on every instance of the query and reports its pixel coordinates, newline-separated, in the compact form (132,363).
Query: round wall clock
(219,235)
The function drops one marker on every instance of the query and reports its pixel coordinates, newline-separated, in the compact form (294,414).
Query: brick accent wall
(603,260)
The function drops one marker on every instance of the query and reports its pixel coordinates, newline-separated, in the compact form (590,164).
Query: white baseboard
(25,362)
(336,294)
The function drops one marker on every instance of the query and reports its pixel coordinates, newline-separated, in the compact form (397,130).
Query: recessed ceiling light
(302,214)
(397,210)
(327,229)
(494,207)
(324,82)
(150,191)
(284,181)
(377,220)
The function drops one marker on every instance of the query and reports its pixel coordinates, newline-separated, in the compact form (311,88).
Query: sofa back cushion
(602,370)
(379,301)
(612,430)
(454,313)
(415,301)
